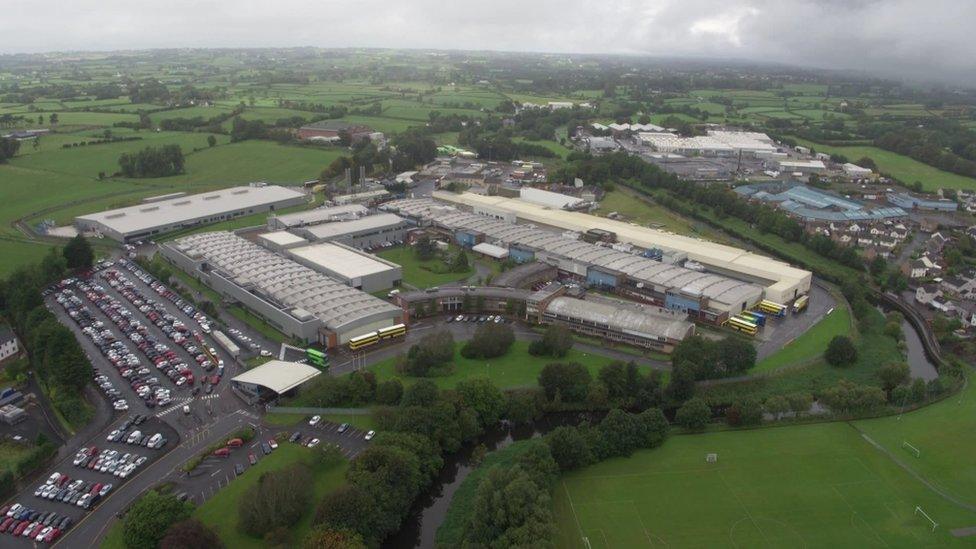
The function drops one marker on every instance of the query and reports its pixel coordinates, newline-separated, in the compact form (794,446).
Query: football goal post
(919,511)
(711,458)
(586,542)
(906,445)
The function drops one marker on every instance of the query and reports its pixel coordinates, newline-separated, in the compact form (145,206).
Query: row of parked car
(497,319)
(40,526)
(201,319)
(61,488)
(109,461)
(129,366)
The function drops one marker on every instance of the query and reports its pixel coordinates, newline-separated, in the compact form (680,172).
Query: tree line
(152,162)
(55,356)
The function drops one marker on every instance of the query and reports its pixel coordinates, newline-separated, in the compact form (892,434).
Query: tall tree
(78,253)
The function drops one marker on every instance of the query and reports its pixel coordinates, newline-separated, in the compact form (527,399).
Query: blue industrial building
(815,204)
(910,202)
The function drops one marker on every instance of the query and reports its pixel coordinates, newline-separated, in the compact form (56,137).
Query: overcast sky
(915,38)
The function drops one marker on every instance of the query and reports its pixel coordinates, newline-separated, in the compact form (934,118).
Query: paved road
(780,332)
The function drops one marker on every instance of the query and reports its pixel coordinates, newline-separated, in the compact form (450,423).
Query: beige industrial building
(293,298)
(782,282)
(150,219)
(352,267)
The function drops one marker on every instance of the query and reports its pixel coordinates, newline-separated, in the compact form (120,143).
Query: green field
(10,453)
(907,170)
(943,433)
(635,209)
(517,368)
(811,343)
(220,512)
(419,273)
(802,486)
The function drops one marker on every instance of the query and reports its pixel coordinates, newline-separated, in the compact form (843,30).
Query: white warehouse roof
(341,228)
(783,279)
(283,239)
(278,375)
(548,198)
(189,208)
(490,250)
(293,285)
(321,215)
(343,261)
(723,292)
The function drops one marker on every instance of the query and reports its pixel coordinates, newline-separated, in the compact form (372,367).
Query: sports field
(803,486)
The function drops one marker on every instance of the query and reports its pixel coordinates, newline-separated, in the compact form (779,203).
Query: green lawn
(943,433)
(418,273)
(906,169)
(801,486)
(561,150)
(258,324)
(635,208)
(220,512)
(517,368)
(811,343)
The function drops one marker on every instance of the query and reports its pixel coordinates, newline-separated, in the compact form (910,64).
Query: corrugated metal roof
(622,319)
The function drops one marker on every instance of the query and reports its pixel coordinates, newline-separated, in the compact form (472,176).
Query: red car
(52,535)
(214,380)
(222,452)
(252,458)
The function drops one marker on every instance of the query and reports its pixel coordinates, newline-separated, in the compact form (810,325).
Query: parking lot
(216,472)
(65,494)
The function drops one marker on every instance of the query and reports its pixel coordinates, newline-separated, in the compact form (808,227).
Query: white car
(313,443)
(370,435)
(315,420)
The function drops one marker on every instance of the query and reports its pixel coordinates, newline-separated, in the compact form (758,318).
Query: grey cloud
(912,38)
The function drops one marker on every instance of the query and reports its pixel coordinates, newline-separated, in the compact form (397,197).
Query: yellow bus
(396,330)
(364,340)
(801,303)
(772,308)
(742,325)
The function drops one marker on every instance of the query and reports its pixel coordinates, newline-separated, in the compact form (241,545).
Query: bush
(694,414)
(489,341)
(744,412)
(841,351)
(556,342)
(278,500)
(569,448)
(432,351)
(150,517)
(569,381)
(190,534)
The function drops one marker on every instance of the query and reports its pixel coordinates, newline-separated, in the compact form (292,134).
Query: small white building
(9,347)
(491,250)
(855,171)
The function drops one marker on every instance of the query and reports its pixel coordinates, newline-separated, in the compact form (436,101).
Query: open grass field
(517,368)
(560,150)
(943,433)
(906,169)
(634,208)
(220,512)
(418,273)
(801,486)
(811,344)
